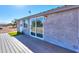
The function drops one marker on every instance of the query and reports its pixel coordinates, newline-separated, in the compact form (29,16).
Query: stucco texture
(62,29)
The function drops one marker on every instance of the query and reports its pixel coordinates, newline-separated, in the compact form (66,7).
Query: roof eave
(60,9)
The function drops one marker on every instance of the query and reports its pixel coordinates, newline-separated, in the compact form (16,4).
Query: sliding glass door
(37,27)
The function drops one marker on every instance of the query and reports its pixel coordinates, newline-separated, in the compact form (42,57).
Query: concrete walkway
(10,44)
(39,46)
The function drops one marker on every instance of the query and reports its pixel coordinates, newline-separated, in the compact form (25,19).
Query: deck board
(6,46)
(10,47)
(22,46)
(0,45)
(10,44)
(3,45)
(19,47)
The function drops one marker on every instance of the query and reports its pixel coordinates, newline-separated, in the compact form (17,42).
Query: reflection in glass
(39,28)
(26,23)
(33,27)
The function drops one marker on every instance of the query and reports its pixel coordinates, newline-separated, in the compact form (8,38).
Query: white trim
(21,26)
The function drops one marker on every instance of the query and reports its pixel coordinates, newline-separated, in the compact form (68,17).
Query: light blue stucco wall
(61,29)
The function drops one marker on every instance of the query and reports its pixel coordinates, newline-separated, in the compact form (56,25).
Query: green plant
(14,33)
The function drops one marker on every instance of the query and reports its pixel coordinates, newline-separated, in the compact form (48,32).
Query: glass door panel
(33,27)
(39,28)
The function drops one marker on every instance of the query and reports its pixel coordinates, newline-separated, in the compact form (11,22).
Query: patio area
(27,44)
(40,46)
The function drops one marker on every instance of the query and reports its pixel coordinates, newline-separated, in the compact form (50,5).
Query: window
(26,23)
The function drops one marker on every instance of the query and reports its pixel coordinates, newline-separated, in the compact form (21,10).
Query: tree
(14,23)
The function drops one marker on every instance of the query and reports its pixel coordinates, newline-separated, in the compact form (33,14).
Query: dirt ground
(7,29)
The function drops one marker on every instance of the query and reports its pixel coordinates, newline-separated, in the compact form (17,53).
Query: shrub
(14,33)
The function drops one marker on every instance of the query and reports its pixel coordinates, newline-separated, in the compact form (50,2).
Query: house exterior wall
(62,29)
(20,25)
(26,30)
(78,27)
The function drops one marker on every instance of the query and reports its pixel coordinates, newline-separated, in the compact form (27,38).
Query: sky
(11,12)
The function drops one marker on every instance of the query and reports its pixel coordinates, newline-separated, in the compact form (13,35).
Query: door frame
(21,26)
(35,29)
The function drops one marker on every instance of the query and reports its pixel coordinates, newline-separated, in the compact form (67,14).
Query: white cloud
(18,6)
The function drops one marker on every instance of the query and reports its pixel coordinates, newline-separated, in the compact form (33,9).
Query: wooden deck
(10,44)
(41,46)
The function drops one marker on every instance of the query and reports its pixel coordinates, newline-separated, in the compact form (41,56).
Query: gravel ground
(7,29)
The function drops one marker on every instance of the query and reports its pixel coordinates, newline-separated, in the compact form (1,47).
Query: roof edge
(59,9)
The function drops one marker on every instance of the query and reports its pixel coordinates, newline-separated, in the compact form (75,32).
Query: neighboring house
(58,26)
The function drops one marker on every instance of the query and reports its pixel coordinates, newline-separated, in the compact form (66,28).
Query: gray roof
(56,10)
